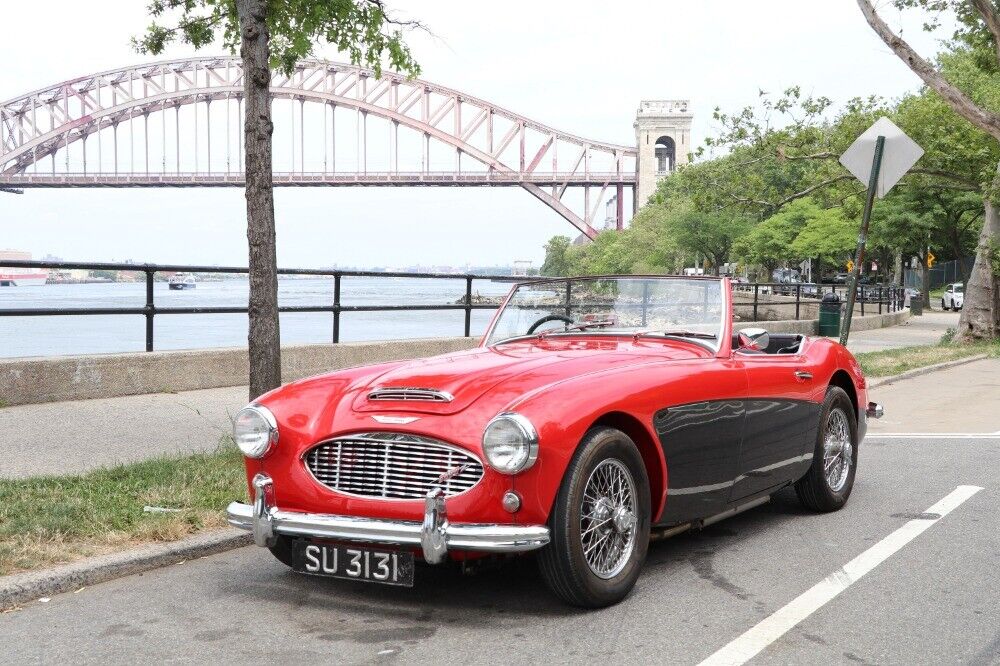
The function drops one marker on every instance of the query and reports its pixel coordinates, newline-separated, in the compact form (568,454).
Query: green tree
(827,236)
(770,243)
(556,262)
(274,34)
(710,234)
(974,94)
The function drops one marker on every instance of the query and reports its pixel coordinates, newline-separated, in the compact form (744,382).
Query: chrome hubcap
(608,519)
(838,451)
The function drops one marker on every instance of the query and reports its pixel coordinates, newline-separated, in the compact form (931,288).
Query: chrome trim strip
(694,490)
(434,534)
(409,394)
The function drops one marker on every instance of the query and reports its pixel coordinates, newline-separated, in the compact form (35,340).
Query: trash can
(917,304)
(829,315)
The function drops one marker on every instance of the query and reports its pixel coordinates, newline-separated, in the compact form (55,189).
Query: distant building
(522,268)
(663,138)
(15,255)
(611,213)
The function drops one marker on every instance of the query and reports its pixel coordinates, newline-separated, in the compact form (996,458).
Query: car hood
(509,370)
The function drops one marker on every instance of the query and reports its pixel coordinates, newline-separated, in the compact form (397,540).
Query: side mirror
(756,339)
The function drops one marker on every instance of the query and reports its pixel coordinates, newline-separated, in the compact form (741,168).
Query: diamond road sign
(901,153)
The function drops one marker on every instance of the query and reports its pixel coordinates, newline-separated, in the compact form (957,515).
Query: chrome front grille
(387,465)
(410,394)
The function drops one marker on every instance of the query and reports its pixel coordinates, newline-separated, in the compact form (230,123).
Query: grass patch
(895,361)
(51,520)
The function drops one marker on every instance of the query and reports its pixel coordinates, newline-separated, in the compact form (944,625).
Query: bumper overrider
(435,535)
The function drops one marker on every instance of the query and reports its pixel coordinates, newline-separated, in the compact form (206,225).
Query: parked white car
(952,298)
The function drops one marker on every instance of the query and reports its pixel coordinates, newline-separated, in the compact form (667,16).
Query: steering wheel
(548,318)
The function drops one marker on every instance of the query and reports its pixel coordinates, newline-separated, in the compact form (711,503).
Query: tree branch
(972,185)
(825,155)
(989,14)
(956,99)
(812,188)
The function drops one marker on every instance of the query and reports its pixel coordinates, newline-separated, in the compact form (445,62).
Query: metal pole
(468,306)
(336,308)
(645,301)
(756,290)
(150,310)
(859,254)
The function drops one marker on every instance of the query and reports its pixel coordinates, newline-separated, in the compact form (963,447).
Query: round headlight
(255,431)
(510,443)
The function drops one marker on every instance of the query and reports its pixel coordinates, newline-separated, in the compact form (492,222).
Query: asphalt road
(934,600)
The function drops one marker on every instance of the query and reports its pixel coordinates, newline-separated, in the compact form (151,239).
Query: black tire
(282,550)
(563,563)
(943,306)
(814,489)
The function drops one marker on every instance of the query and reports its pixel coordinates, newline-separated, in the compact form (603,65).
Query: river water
(67,335)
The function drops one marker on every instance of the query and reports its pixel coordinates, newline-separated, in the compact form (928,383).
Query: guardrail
(881,297)
(150,310)
(884,298)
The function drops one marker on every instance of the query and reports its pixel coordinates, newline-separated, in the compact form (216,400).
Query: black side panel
(701,443)
(778,441)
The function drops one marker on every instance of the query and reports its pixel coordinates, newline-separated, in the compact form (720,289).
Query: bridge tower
(663,137)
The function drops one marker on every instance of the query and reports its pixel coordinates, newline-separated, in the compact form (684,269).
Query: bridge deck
(386,179)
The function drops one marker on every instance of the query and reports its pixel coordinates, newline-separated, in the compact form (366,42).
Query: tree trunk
(264,341)
(897,270)
(980,318)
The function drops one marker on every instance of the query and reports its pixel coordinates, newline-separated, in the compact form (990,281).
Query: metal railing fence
(876,298)
(150,309)
(872,299)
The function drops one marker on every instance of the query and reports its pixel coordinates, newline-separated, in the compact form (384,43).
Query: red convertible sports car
(595,413)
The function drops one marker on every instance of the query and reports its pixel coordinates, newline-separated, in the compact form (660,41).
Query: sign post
(859,253)
(878,158)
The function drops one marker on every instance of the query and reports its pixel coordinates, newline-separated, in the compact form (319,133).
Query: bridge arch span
(510,149)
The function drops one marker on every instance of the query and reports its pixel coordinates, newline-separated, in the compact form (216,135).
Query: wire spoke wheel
(608,519)
(838,451)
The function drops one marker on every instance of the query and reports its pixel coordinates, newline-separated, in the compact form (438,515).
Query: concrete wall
(776,307)
(34,380)
(811,326)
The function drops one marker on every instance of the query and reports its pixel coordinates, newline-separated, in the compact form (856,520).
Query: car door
(782,415)
(700,428)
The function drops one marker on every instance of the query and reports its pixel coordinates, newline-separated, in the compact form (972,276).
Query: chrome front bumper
(435,535)
(874,411)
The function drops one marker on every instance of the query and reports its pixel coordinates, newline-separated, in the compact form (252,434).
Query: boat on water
(181,281)
(20,277)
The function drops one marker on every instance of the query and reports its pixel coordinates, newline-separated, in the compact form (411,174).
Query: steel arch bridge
(151,125)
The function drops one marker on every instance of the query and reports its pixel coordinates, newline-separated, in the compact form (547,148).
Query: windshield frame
(719,346)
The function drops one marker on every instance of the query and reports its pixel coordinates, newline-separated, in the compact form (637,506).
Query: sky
(579,66)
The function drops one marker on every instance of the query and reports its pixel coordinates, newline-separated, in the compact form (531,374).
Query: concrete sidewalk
(79,435)
(926,329)
(75,436)
(962,399)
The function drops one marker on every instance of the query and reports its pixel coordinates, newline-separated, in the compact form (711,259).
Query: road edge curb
(916,372)
(17,589)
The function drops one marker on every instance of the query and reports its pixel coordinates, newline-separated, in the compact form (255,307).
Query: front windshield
(654,306)
(958,289)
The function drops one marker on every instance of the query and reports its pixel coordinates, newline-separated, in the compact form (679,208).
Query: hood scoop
(409,394)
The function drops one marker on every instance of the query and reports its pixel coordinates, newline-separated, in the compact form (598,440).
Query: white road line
(743,648)
(932,435)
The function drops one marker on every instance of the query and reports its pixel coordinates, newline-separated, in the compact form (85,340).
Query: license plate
(389,567)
